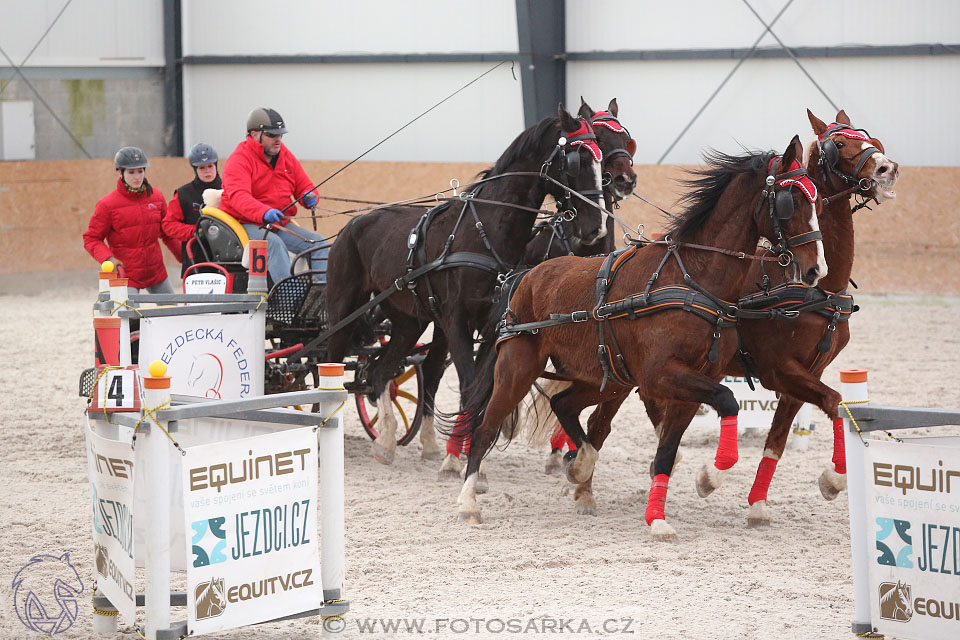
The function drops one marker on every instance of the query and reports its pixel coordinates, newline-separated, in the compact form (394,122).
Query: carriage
(295,317)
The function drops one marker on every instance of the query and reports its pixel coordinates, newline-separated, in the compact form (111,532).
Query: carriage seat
(219,247)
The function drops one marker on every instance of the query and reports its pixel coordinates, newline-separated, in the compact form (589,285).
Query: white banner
(913,506)
(250,507)
(192,432)
(210,356)
(110,469)
(756,407)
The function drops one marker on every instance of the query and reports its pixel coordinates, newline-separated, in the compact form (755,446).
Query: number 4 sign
(116,390)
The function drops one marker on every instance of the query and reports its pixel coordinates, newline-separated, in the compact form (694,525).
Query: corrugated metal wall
(338,110)
(911,101)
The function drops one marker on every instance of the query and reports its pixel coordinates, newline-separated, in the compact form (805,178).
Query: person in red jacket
(183,212)
(126,225)
(262,177)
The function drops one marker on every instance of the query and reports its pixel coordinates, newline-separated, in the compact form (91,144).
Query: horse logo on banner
(895,599)
(210,598)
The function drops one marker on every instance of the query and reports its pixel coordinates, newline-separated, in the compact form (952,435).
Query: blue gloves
(272,216)
(309,201)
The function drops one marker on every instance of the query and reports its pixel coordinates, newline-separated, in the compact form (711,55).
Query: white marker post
(120,293)
(853,387)
(156,450)
(330,449)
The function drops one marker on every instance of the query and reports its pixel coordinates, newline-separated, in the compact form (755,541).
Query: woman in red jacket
(183,211)
(126,225)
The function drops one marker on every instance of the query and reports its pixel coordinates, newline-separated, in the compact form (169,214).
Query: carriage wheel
(405,391)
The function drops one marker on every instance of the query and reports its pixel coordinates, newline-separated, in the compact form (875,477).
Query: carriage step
(358,387)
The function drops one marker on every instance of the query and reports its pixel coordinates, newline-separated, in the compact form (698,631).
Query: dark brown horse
(553,238)
(372,252)
(558,312)
(843,162)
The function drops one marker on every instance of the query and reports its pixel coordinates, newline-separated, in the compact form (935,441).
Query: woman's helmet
(202,154)
(267,120)
(130,158)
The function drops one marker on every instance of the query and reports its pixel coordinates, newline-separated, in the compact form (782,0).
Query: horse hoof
(704,485)
(587,509)
(758,517)
(554,464)
(380,454)
(482,485)
(469,517)
(448,474)
(432,456)
(663,532)
(827,489)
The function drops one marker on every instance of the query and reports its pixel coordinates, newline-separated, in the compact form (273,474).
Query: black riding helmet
(201,154)
(130,158)
(266,120)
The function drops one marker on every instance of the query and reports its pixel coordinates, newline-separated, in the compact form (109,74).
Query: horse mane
(708,185)
(525,144)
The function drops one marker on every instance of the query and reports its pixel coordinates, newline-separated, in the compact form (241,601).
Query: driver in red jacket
(260,178)
(126,225)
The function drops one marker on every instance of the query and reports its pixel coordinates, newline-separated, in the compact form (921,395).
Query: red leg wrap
(727,447)
(839,455)
(762,482)
(559,437)
(657,498)
(459,442)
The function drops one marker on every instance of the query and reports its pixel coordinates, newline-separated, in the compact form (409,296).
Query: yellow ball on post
(107,266)
(158,368)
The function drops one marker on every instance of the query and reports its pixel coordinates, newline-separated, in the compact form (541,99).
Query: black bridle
(829,163)
(780,206)
(569,168)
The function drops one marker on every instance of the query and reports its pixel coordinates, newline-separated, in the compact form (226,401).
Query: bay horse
(488,229)
(552,238)
(843,162)
(558,312)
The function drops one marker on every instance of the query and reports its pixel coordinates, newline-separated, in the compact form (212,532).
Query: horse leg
(655,414)
(432,369)
(404,332)
(675,418)
(460,339)
(598,428)
(684,390)
(518,365)
(567,405)
(787,409)
(555,458)
(834,480)
(806,386)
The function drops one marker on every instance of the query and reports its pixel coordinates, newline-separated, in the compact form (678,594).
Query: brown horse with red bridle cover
(651,316)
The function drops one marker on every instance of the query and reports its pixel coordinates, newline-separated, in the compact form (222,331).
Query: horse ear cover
(784,204)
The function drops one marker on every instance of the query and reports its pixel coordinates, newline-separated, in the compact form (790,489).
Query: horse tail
(477,394)
(536,420)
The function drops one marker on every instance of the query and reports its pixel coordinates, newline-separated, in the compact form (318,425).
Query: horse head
(579,174)
(619,178)
(787,216)
(849,156)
